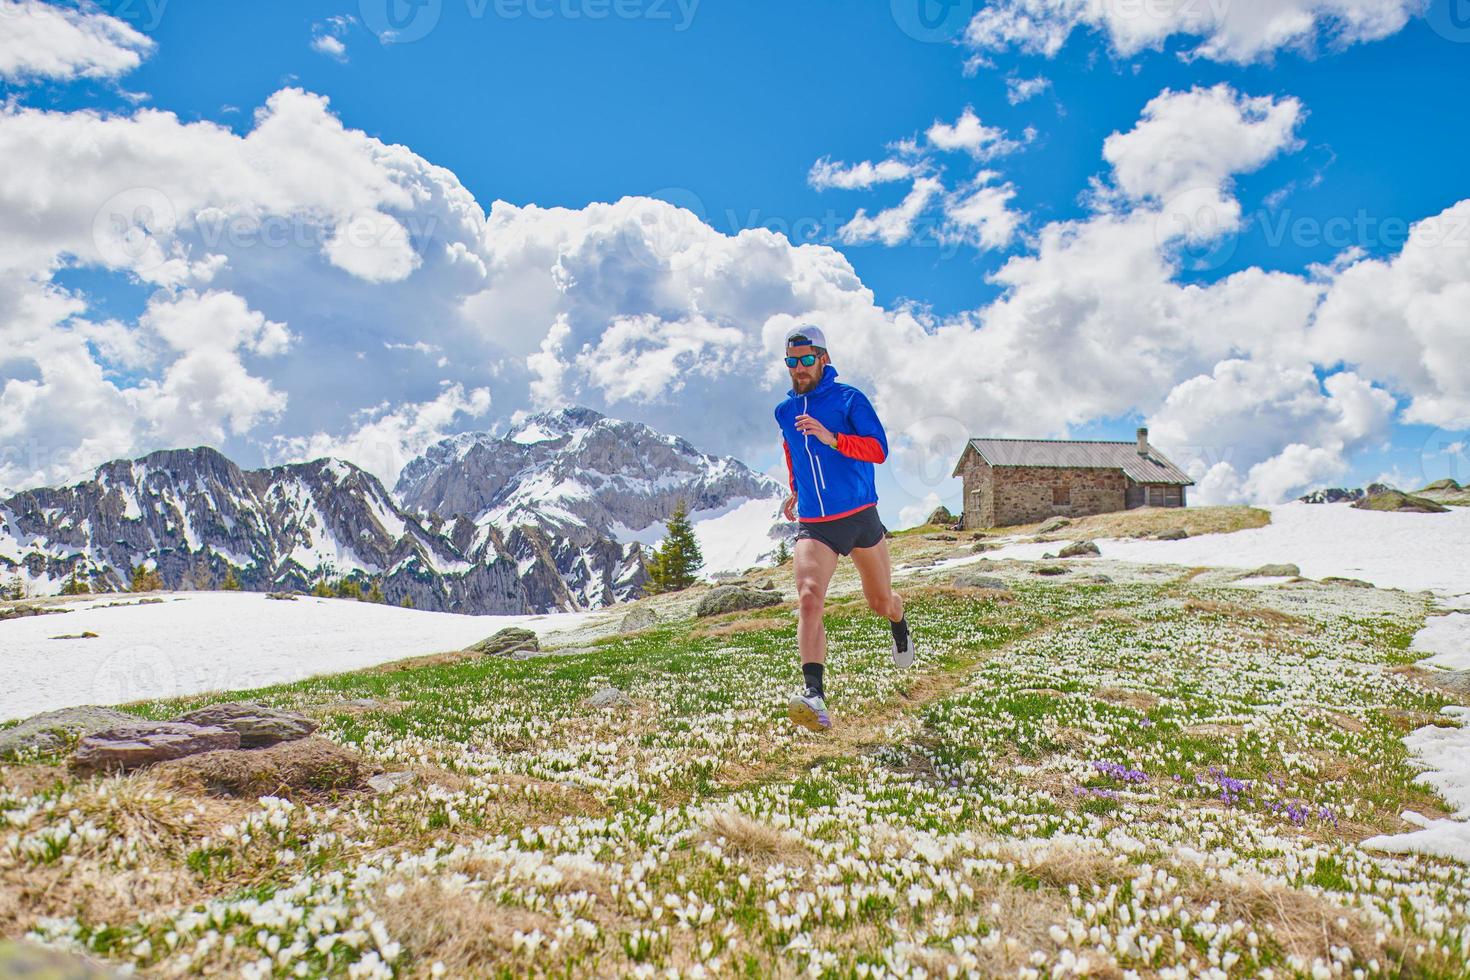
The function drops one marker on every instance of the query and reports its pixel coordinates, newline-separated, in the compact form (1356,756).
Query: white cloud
(980,214)
(1020,90)
(390,436)
(970,135)
(1237,31)
(894,225)
(1266,430)
(912,515)
(1403,318)
(330,46)
(826,174)
(40,40)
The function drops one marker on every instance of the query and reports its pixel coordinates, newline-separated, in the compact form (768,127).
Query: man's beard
(802,387)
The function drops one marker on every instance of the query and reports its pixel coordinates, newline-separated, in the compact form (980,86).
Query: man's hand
(789,508)
(810,426)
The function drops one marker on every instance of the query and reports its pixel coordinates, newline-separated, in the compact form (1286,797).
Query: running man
(834,430)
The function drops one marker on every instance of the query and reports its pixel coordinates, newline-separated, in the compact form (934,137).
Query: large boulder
(731,598)
(974,580)
(52,731)
(609,697)
(940,515)
(1079,549)
(141,744)
(638,618)
(1284,569)
(1052,524)
(301,764)
(20,959)
(257,724)
(1397,500)
(507,642)
(1171,534)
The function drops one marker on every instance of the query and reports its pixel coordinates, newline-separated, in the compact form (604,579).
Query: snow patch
(207,641)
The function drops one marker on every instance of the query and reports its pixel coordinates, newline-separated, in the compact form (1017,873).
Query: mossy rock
(1397,500)
(506,642)
(732,598)
(1079,549)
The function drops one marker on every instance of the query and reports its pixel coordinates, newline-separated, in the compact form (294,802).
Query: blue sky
(723,109)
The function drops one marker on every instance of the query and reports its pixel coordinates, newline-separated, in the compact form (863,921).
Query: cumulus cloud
(386,436)
(328,37)
(1238,31)
(969,135)
(892,225)
(1020,90)
(826,174)
(44,41)
(980,214)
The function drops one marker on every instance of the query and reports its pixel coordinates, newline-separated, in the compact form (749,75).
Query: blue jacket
(832,482)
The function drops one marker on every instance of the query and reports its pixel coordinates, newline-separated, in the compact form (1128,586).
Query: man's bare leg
(876,571)
(815,563)
(875,568)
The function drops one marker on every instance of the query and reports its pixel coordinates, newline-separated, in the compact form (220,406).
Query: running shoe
(903,643)
(809,710)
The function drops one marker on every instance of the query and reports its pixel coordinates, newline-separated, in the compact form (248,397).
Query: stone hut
(1018,481)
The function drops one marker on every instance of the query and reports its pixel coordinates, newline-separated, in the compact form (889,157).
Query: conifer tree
(783,553)
(323,589)
(375,594)
(231,583)
(348,589)
(676,560)
(144,579)
(74,585)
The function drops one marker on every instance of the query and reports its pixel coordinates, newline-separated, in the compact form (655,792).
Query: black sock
(900,627)
(813,675)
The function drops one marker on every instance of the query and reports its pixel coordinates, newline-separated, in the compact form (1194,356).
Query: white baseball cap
(810,335)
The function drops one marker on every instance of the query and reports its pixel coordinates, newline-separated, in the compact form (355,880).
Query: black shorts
(860,530)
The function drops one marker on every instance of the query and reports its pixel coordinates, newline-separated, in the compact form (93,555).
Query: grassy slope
(1139,775)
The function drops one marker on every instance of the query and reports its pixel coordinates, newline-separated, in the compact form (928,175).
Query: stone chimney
(1143,442)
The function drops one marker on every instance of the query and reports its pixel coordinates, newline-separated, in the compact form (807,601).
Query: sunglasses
(805,360)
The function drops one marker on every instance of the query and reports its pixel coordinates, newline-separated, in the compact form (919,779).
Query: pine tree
(322,589)
(348,589)
(783,553)
(74,585)
(16,589)
(407,602)
(375,594)
(145,579)
(230,584)
(676,560)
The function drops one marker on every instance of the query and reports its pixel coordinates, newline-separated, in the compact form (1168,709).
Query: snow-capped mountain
(194,516)
(598,490)
(553,514)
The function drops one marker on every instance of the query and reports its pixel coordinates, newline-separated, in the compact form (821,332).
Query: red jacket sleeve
(866,448)
(790,473)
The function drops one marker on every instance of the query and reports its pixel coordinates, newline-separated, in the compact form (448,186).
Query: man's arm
(790,473)
(867,441)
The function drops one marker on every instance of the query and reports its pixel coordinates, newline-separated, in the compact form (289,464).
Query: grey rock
(1274,571)
(980,546)
(387,782)
(971,580)
(1095,579)
(939,537)
(940,515)
(1079,549)
(141,744)
(1172,534)
(506,642)
(1352,583)
(257,724)
(1048,556)
(1049,570)
(52,731)
(283,596)
(21,959)
(609,697)
(638,618)
(729,598)
(1052,524)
